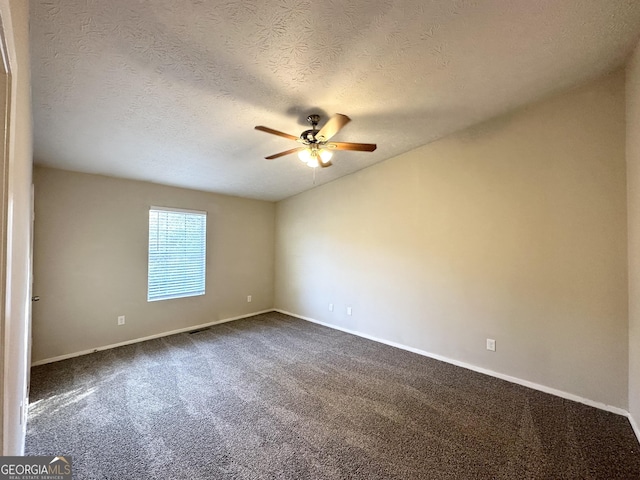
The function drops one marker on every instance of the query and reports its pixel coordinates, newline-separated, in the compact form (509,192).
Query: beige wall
(513,230)
(633,191)
(15,362)
(91,246)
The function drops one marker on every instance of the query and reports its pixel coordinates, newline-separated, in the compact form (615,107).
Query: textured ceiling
(169,91)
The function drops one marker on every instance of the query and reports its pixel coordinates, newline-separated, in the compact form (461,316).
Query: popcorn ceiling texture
(169,91)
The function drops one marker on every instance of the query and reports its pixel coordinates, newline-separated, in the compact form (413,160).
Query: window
(177,253)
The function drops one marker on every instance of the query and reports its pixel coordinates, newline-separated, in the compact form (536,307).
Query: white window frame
(194,284)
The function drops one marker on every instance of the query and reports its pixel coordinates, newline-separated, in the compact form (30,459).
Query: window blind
(177,253)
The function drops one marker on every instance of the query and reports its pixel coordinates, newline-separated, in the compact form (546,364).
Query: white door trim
(5,103)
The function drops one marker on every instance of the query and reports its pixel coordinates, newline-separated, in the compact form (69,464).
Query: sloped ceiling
(169,91)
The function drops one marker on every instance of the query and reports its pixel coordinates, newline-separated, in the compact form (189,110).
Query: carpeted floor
(273,397)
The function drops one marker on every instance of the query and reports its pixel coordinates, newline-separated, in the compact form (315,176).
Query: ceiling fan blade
(282,154)
(333,126)
(325,164)
(358,147)
(276,132)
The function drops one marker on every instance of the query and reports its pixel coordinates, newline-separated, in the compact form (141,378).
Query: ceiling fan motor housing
(309,136)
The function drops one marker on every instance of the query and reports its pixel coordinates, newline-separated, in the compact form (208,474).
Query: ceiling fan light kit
(317,150)
(314,156)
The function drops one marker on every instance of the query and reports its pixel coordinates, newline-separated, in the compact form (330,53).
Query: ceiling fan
(317,148)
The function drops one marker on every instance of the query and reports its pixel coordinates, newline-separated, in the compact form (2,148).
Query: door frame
(5,113)
(15,205)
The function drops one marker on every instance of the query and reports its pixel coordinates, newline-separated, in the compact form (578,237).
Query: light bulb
(304,155)
(313,162)
(325,155)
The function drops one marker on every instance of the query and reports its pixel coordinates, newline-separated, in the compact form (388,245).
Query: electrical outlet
(491,344)
(349,311)
(248,298)
(121,320)
(331,307)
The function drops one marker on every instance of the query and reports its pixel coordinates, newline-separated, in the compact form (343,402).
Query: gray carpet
(273,397)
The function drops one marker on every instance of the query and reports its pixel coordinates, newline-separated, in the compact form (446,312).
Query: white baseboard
(634,425)
(502,376)
(143,339)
